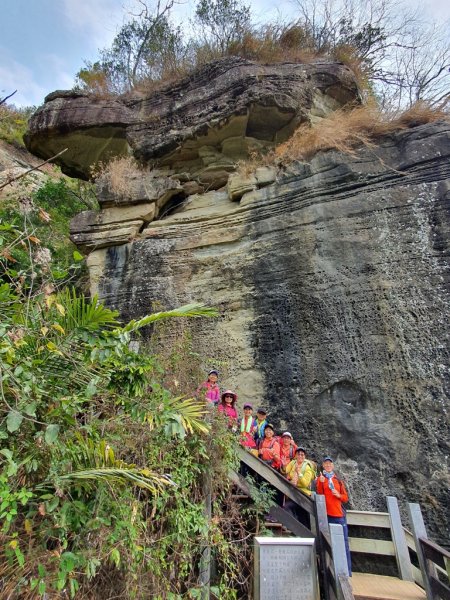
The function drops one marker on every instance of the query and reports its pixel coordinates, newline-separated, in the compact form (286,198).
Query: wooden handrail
(434,552)
(326,540)
(277,480)
(290,522)
(439,589)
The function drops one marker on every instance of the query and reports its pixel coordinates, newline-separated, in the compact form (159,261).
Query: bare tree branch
(3,100)
(12,179)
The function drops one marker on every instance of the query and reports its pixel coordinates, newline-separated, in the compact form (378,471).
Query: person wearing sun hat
(227,406)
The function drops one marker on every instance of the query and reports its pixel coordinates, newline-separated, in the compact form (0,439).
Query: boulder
(134,187)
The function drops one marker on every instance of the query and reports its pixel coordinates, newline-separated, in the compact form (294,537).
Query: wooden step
(381,587)
(240,497)
(277,528)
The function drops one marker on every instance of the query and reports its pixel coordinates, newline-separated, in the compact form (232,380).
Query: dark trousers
(343,521)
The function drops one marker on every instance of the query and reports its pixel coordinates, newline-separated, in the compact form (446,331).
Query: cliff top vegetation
(397,56)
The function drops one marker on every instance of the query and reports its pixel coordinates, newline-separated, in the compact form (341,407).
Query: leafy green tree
(224,22)
(146,48)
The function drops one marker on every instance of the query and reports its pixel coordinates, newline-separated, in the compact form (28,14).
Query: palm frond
(143,478)
(194,310)
(180,416)
(75,312)
(192,414)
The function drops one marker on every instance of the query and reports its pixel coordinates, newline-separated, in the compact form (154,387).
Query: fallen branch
(12,179)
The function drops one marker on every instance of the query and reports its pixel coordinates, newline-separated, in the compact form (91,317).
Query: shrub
(13,123)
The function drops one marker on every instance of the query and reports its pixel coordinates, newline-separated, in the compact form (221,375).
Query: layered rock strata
(201,125)
(333,288)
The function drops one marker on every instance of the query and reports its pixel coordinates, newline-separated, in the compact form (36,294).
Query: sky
(43,43)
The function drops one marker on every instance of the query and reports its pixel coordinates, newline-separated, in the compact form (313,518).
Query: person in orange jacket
(336,495)
(269,448)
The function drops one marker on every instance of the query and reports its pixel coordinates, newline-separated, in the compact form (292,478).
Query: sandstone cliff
(332,279)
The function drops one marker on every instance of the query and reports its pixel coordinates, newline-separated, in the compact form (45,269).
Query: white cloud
(59,70)
(95,20)
(17,76)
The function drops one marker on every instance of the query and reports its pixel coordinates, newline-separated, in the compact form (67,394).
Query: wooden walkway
(380,587)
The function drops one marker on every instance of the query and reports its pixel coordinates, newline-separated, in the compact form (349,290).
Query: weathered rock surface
(202,125)
(333,287)
(15,162)
(91,229)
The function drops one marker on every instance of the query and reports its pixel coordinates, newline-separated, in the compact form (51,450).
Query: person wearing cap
(301,473)
(287,450)
(269,448)
(227,406)
(336,495)
(261,422)
(210,388)
(247,428)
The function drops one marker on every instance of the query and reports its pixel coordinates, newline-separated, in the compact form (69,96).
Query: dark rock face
(333,284)
(202,125)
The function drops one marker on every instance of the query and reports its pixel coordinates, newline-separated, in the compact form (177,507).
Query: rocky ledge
(202,125)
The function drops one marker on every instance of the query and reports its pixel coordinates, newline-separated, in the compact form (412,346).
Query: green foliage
(34,232)
(13,123)
(224,22)
(64,197)
(102,469)
(147,49)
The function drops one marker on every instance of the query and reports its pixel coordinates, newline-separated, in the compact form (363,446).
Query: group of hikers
(281,453)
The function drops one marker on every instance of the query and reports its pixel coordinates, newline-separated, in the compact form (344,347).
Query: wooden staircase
(429,582)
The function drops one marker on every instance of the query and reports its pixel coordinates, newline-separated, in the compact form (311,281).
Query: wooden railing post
(339,555)
(419,531)
(205,559)
(321,524)
(399,540)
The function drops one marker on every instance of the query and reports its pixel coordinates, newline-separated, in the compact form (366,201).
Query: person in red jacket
(335,496)
(247,428)
(287,450)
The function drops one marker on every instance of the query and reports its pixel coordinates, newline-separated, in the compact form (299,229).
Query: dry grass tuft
(345,130)
(116,174)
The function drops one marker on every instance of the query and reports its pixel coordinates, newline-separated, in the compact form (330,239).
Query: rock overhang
(229,98)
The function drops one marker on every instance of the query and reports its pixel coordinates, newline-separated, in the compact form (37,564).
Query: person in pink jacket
(209,389)
(227,406)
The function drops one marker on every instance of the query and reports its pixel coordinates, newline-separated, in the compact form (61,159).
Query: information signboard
(285,569)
